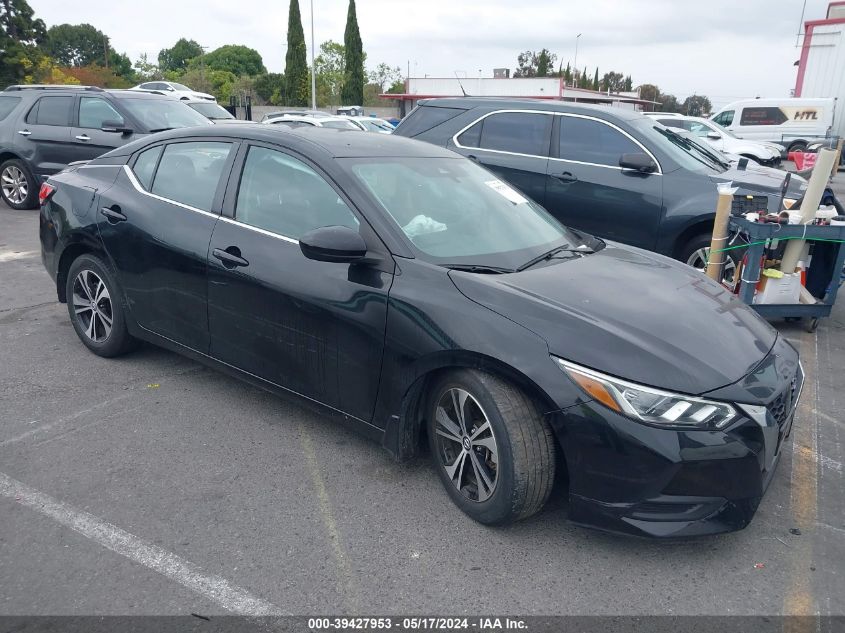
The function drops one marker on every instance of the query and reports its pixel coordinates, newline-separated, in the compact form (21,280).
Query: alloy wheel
(14,184)
(92,306)
(465,444)
(698,260)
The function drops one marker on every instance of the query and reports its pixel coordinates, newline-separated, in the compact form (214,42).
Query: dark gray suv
(607,171)
(43,128)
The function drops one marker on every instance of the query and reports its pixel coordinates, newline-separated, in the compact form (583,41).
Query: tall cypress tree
(352,92)
(296,66)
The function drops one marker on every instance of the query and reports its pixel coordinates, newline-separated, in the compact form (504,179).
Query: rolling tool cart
(758,233)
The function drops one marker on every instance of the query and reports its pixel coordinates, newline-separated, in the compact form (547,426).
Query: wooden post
(716,258)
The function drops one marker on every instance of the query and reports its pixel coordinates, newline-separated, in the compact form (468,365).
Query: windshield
(374,125)
(163,114)
(455,212)
(682,149)
(211,110)
(182,87)
(341,125)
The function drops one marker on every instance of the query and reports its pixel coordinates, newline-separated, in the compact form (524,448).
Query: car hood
(632,314)
(761,180)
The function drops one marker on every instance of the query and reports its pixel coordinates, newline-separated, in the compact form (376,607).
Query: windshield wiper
(580,250)
(479,268)
(161,129)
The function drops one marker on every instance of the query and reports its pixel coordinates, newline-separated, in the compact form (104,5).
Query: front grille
(783,405)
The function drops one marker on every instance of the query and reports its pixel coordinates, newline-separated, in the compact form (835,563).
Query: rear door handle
(24,132)
(567,177)
(231,257)
(114,215)
(83,137)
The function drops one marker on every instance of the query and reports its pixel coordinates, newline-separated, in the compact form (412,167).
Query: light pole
(574,70)
(313,69)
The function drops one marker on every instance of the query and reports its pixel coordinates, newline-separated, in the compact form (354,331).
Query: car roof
(119,93)
(336,143)
(542,105)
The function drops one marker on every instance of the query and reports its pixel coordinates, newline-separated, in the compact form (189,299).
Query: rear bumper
(630,478)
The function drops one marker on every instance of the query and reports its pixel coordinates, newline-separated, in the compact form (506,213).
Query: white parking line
(9,256)
(214,588)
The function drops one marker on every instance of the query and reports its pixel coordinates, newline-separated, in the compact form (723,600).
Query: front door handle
(231,257)
(567,176)
(113,214)
(83,137)
(24,132)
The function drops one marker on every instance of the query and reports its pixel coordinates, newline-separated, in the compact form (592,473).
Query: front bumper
(647,481)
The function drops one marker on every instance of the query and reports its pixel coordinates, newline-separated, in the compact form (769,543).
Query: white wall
(824,75)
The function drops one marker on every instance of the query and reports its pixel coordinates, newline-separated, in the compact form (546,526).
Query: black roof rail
(51,87)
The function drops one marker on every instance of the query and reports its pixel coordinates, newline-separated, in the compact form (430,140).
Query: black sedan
(410,293)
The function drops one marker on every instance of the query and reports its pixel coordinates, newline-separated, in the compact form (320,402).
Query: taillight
(45,192)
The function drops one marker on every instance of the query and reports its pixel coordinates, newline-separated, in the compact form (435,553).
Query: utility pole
(313,68)
(575,65)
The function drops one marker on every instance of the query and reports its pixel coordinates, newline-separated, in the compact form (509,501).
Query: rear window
(424,118)
(518,132)
(7,104)
(762,116)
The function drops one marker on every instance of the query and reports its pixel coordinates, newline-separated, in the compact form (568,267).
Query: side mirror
(714,136)
(115,127)
(638,162)
(338,244)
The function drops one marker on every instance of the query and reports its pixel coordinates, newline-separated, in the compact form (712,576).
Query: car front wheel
(95,308)
(17,186)
(492,448)
(696,253)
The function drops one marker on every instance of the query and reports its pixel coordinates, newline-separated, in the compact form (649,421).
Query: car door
(89,141)
(586,188)
(44,134)
(316,328)
(156,222)
(514,144)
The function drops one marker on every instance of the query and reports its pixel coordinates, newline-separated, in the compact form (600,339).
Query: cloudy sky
(726,49)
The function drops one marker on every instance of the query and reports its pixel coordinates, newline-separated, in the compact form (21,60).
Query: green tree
(232,58)
(270,87)
(596,85)
(385,76)
(649,92)
(329,66)
(567,74)
(629,84)
(545,61)
(77,45)
(397,88)
(20,36)
(352,92)
(219,83)
(177,57)
(296,66)
(669,103)
(145,70)
(696,105)
(613,81)
(584,80)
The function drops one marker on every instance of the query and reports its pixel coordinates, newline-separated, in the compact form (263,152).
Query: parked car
(414,295)
(794,122)
(662,115)
(337,122)
(214,112)
(608,171)
(768,154)
(43,128)
(175,90)
(372,124)
(281,113)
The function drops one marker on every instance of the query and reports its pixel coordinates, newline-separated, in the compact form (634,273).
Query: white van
(790,122)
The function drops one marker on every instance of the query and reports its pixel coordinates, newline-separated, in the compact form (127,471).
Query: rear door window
(517,132)
(762,116)
(591,141)
(190,172)
(51,111)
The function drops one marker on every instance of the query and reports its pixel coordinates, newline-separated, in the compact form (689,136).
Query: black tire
(102,339)
(797,146)
(525,449)
(30,201)
(702,242)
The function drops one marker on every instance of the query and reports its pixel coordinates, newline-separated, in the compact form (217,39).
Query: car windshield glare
(164,114)
(455,212)
(181,87)
(682,149)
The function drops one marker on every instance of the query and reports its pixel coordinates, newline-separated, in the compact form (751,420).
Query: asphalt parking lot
(152,485)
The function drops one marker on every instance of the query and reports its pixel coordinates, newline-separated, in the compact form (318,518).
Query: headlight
(650,405)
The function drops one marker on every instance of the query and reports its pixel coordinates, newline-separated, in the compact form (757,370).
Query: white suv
(177,91)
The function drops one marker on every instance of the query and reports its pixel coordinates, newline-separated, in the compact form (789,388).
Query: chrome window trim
(659,171)
(278,236)
(134,180)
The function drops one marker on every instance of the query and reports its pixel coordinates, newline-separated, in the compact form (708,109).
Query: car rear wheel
(492,448)
(18,187)
(696,253)
(95,308)
(797,146)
